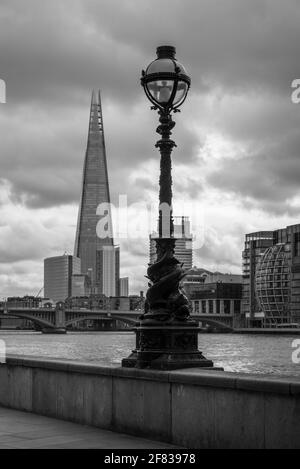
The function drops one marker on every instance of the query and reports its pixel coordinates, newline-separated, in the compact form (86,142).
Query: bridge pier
(60,320)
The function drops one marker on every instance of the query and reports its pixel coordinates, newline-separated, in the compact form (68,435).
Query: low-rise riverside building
(214,294)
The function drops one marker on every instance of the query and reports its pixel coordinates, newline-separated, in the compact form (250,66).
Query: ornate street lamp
(167,337)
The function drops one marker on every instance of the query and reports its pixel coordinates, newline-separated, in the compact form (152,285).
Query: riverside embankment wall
(192,408)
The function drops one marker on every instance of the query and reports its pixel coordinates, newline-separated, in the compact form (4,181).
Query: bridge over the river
(56,320)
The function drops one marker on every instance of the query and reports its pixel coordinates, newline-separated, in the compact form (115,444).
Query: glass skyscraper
(99,257)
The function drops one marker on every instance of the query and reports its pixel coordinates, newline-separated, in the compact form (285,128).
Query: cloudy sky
(237,161)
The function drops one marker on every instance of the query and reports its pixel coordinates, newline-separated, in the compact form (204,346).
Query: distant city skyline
(238,141)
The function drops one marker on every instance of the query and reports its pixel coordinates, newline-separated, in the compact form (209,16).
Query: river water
(245,353)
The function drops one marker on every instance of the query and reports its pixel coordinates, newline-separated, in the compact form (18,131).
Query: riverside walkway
(24,430)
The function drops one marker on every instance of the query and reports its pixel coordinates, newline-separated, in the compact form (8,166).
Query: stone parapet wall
(194,408)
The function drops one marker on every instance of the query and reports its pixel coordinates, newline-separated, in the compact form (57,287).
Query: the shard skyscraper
(99,257)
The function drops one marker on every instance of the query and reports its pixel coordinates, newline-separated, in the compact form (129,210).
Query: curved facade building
(272,284)
(271,277)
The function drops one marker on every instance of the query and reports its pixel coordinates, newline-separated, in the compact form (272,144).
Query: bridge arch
(93,317)
(86,317)
(126,320)
(36,320)
(214,322)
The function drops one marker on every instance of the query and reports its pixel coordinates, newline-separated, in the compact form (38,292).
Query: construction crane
(38,294)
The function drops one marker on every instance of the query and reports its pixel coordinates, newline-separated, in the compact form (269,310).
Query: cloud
(269,178)
(237,135)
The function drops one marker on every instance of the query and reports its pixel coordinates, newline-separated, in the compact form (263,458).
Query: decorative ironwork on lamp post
(166,337)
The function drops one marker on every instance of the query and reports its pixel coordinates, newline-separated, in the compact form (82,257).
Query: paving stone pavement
(20,430)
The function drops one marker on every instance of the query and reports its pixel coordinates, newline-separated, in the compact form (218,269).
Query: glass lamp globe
(165,80)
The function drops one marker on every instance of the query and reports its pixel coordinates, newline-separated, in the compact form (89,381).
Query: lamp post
(166,337)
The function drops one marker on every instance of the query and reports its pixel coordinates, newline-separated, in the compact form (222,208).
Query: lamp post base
(168,346)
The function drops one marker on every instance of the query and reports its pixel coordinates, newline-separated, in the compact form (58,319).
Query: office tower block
(108,269)
(124,286)
(183,244)
(58,272)
(255,245)
(81,285)
(117,271)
